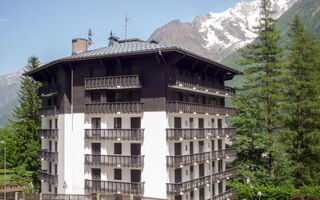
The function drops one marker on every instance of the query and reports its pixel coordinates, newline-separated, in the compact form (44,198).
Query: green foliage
(257,103)
(272,192)
(26,121)
(301,105)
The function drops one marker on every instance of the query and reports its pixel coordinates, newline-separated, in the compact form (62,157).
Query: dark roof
(134,47)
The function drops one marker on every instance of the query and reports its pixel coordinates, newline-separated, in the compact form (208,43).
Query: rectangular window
(117,174)
(219,123)
(96,123)
(191,122)
(117,148)
(220,187)
(220,166)
(50,167)
(95,97)
(55,169)
(212,123)
(200,123)
(201,146)
(117,122)
(50,124)
(56,123)
(135,122)
(49,188)
(213,164)
(56,146)
(177,122)
(50,146)
(219,144)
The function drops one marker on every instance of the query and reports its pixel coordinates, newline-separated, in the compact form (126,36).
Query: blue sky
(45,27)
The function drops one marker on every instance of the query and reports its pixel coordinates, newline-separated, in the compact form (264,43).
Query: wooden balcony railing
(132,161)
(47,177)
(113,82)
(199,133)
(114,134)
(225,195)
(48,133)
(178,188)
(193,108)
(48,111)
(181,82)
(49,89)
(48,155)
(114,108)
(178,161)
(114,187)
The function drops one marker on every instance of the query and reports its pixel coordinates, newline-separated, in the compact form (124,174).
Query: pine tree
(258,101)
(26,120)
(301,107)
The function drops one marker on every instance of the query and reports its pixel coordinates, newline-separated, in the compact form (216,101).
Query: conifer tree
(301,105)
(26,120)
(258,101)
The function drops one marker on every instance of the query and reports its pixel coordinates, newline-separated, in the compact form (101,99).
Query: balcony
(114,108)
(178,161)
(113,82)
(114,134)
(225,195)
(197,133)
(178,188)
(193,108)
(204,87)
(49,90)
(48,111)
(98,186)
(132,161)
(47,177)
(48,133)
(48,155)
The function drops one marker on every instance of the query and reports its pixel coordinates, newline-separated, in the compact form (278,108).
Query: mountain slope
(218,34)
(308,11)
(9,85)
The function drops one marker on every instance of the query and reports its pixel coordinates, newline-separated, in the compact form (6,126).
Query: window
(95,97)
(96,123)
(117,122)
(50,145)
(200,123)
(118,97)
(50,124)
(56,169)
(191,122)
(55,190)
(212,123)
(220,187)
(213,164)
(219,165)
(219,123)
(187,172)
(50,167)
(56,123)
(201,146)
(117,174)
(117,148)
(219,144)
(213,190)
(212,145)
(56,146)
(49,188)
(186,148)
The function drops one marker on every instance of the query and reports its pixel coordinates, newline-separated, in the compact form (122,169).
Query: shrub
(312,197)
(296,197)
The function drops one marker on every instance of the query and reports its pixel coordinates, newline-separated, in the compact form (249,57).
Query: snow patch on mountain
(235,26)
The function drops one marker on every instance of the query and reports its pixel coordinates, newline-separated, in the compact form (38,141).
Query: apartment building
(135,118)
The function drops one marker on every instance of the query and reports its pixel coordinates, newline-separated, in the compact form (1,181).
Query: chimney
(79,45)
(112,39)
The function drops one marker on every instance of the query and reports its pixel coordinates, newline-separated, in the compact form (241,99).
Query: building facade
(135,118)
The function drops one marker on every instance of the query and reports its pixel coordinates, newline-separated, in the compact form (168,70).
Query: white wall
(155,150)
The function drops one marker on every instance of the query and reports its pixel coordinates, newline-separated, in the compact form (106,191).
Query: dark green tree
(301,105)
(258,101)
(26,120)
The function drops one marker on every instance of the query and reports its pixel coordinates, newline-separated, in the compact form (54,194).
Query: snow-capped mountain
(219,34)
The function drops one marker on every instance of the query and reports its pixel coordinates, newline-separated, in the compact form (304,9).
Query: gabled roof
(133,47)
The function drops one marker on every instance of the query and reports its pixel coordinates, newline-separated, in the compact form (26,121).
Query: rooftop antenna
(126,26)
(90,34)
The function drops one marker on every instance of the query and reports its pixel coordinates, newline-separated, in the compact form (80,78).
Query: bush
(312,197)
(297,197)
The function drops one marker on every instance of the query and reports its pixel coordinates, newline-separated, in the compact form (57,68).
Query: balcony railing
(132,161)
(114,134)
(114,108)
(49,89)
(48,111)
(178,188)
(113,82)
(193,108)
(199,133)
(114,187)
(48,155)
(225,195)
(180,82)
(47,177)
(178,161)
(48,133)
